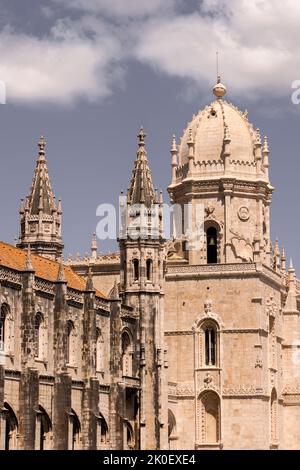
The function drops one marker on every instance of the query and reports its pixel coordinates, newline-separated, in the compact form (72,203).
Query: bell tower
(222,165)
(40,215)
(142,249)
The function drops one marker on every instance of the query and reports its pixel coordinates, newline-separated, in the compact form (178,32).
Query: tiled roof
(14,258)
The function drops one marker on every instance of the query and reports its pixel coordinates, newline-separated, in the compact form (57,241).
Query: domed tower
(222,164)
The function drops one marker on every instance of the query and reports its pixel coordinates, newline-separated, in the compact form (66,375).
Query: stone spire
(94,247)
(174,158)
(28,262)
(61,271)
(141,190)
(89,281)
(40,217)
(291,300)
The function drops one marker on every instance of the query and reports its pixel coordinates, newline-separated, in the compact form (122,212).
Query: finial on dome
(219,90)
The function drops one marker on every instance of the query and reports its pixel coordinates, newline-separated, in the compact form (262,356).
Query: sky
(87,74)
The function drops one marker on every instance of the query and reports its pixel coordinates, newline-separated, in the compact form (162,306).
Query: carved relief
(241,247)
(243,213)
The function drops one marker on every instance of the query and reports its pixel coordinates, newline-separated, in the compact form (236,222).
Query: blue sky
(87,74)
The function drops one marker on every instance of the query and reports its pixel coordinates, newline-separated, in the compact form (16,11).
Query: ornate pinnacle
(28,262)
(61,271)
(42,145)
(266,145)
(141,137)
(174,145)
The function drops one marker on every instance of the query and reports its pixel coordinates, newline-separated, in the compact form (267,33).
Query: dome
(207,130)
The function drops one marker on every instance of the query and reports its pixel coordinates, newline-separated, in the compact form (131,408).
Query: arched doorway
(43,430)
(11,428)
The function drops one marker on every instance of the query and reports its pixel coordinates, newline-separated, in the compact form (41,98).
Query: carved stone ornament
(243,213)
(209,210)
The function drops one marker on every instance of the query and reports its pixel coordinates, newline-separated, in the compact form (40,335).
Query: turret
(40,219)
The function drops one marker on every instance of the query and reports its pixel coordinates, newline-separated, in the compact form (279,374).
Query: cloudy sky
(88,73)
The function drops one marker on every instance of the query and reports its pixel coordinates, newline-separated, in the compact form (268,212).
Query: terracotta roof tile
(14,258)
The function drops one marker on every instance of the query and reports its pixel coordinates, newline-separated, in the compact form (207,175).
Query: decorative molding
(101,304)
(179,333)
(212,268)
(43,286)
(184,389)
(10,276)
(74,297)
(243,390)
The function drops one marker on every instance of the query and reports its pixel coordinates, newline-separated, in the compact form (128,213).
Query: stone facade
(167,344)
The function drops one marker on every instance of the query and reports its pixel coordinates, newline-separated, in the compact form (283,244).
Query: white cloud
(121,8)
(257,42)
(65,65)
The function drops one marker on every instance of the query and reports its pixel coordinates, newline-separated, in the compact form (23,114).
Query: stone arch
(274,417)
(43,430)
(11,428)
(99,360)
(71,342)
(207,342)
(5,314)
(209,407)
(75,431)
(212,225)
(102,433)
(127,352)
(172,429)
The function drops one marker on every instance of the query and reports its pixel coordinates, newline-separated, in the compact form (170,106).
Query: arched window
(3,315)
(99,351)
(71,342)
(272,342)
(11,428)
(43,430)
(273,412)
(149,269)
(129,443)
(210,418)
(136,270)
(74,431)
(38,341)
(210,343)
(212,245)
(171,428)
(126,354)
(102,439)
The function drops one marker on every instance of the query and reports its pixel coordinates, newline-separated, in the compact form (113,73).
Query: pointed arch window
(3,317)
(149,269)
(102,435)
(38,339)
(274,413)
(43,430)
(136,269)
(208,344)
(71,343)
(127,354)
(99,351)
(11,428)
(74,432)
